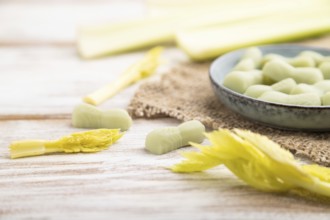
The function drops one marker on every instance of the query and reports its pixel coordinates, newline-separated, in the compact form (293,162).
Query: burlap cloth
(185,93)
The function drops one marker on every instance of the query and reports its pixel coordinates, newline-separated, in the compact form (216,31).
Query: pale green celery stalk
(210,42)
(105,40)
(139,70)
(162,7)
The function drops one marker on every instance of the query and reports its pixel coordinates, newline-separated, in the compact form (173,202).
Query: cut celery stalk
(210,42)
(110,39)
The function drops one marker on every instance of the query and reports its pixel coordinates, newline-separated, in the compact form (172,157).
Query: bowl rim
(218,59)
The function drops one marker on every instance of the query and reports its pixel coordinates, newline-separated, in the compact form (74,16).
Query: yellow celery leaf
(323,173)
(88,141)
(267,146)
(225,141)
(257,176)
(284,166)
(250,164)
(258,161)
(196,161)
(235,153)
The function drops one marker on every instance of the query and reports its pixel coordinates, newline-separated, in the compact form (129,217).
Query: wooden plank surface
(38,22)
(125,182)
(47,82)
(42,78)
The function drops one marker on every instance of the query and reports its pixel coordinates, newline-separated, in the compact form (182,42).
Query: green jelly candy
(318,58)
(305,88)
(284,86)
(278,70)
(245,65)
(306,99)
(255,91)
(250,60)
(326,99)
(239,81)
(88,116)
(164,140)
(299,61)
(325,69)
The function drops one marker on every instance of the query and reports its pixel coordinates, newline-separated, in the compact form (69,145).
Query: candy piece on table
(139,70)
(305,99)
(278,70)
(164,140)
(326,99)
(88,116)
(88,141)
(325,69)
(299,61)
(250,60)
(239,81)
(284,86)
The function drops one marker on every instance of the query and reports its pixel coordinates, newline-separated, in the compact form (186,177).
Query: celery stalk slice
(110,39)
(210,42)
(139,70)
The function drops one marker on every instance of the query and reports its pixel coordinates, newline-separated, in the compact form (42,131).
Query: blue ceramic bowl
(312,118)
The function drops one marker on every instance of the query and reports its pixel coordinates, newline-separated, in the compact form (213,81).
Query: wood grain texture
(56,22)
(125,182)
(47,82)
(42,78)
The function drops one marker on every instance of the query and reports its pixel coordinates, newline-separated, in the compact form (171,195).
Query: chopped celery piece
(107,39)
(141,69)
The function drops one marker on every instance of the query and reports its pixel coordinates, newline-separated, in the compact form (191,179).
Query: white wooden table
(42,79)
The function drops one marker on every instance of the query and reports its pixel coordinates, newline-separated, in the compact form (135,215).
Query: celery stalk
(210,42)
(110,39)
(139,70)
